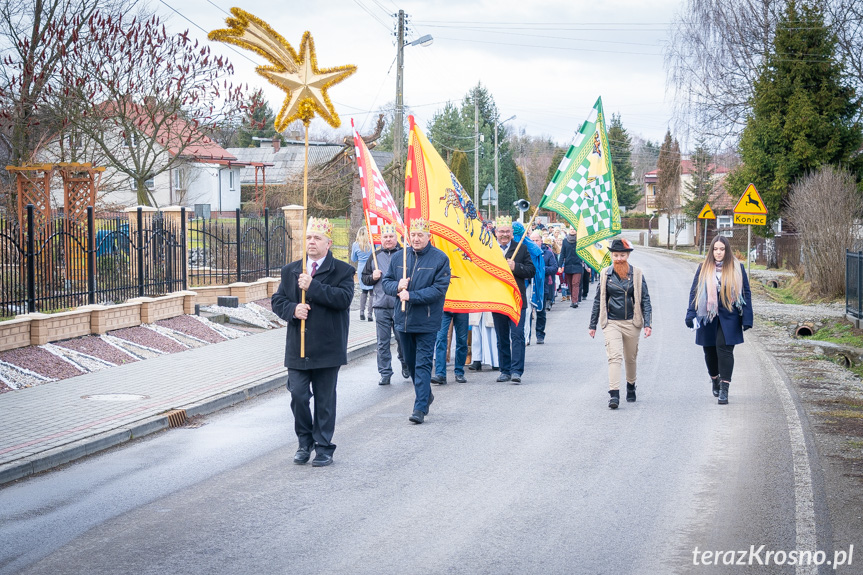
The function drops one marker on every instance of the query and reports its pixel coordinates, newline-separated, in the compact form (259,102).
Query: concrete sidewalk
(54,423)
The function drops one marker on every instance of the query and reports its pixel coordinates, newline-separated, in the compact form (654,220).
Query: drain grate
(176,417)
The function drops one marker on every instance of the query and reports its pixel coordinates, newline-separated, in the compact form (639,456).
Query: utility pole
(476,151)
(398,179)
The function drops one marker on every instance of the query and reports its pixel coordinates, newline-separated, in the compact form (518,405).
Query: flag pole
(371,240)
(305,225)
(524,235)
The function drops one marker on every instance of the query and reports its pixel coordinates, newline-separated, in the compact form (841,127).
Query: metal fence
(63,263)
(854,284)
(243,248)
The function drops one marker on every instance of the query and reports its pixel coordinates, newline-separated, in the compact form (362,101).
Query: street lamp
(496,125)
(398,122)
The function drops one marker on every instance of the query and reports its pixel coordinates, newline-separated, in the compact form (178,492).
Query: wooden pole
(524,235)
(305,225)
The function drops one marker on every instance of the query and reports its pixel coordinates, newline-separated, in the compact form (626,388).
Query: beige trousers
(621,344)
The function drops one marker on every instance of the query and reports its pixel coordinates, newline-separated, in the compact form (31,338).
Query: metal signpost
(750,211)
(706,214)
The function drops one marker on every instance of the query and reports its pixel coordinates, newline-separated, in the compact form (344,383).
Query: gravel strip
(266,313)
(265,303)
(243,314)
(227,332)
(13,377)
(98,348)
(190,326)
(40,361)
(183,339)
(139,351)
(83,361)
(149,338)
(3,387)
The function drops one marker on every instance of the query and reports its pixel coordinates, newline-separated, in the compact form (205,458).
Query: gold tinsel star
(297,74)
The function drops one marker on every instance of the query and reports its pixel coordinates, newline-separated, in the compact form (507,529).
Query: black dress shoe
(475,366)
(362,317)
(460,379)
(495,368)
(438,380)
(516,379)
(503,377)
(371,318)
(322,460)
(303,454)
(431,400)
(573,305)
(406,373)
(417,416)
(385,380)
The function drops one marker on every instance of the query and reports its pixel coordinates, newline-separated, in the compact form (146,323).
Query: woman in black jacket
(621,308)
(720,307)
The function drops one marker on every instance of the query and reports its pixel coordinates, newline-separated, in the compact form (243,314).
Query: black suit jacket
(329,295)
(524,268)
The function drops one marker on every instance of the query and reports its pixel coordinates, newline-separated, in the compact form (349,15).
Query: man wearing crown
(329,287)
(384,304)
(419,278)
(510,336)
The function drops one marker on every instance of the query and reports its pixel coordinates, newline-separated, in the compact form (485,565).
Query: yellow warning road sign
(750,219)
(750,203)
(706,213)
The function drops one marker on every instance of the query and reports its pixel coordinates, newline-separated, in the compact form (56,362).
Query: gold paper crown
(420,225)
(320,226)
(388,229)
(505,221)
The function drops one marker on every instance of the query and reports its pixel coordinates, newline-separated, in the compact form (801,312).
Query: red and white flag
(378,203)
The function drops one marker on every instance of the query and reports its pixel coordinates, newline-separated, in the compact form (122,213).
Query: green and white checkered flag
(582,191)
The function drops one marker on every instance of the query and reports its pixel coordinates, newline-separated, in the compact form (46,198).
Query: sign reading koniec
(750,209)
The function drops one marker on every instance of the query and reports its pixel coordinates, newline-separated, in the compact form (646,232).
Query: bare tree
(533,155)
(846,17)
(713,58)
(144,97)
(825,206)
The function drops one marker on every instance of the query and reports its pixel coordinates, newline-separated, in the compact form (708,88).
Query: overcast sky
(544,61)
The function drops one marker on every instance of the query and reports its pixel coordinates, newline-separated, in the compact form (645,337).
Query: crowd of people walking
(404,289)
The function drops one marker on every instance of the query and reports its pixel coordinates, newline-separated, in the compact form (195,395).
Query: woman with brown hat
(621,308)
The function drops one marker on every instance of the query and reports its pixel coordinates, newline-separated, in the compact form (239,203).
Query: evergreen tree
(620,143)
(461,170)
(668,179)
(257,122)
(803,112)
(448,133)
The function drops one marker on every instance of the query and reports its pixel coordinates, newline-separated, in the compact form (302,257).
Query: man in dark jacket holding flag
(422,289)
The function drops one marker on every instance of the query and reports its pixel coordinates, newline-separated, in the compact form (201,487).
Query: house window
(178,179)
(231,180)
(724,222)
(777,227)
(150,183)
(131,140)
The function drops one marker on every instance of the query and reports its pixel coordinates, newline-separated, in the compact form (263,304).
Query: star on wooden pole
(297,74)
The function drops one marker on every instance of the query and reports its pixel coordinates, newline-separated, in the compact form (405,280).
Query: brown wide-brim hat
(620,245)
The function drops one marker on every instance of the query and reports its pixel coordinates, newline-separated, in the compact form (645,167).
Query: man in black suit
(329,287)
(510,336)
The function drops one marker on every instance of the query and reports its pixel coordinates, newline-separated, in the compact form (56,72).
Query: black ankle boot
(614,400)
(723,392)
(475,366)
(630,392)
(715,382)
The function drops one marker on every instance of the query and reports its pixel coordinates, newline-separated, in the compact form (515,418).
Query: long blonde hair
(730,281)
(363,239)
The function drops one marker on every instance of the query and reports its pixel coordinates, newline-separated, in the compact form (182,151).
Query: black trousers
(303,383)
(720,357)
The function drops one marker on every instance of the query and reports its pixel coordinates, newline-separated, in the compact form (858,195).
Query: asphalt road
(536,478)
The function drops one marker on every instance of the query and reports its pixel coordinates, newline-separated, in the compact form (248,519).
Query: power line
(548,47)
